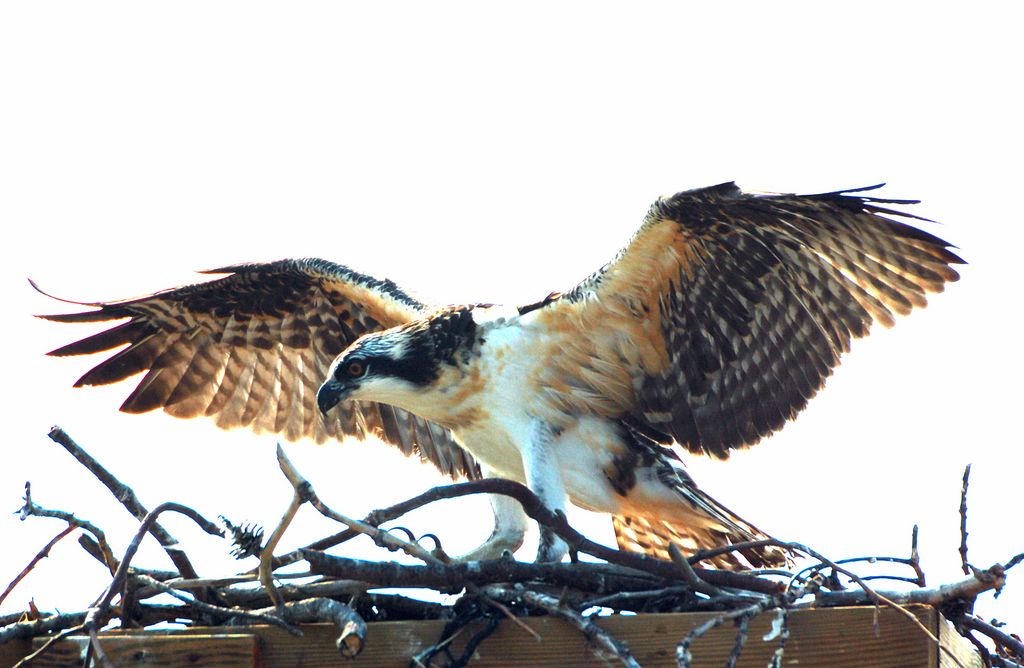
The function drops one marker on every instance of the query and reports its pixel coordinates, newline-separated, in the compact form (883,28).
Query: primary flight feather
(715,325)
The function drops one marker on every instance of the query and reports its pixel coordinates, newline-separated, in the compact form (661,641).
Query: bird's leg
(544,478)
(509,529)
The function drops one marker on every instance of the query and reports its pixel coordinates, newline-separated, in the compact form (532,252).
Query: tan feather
(727,311)
(251,348)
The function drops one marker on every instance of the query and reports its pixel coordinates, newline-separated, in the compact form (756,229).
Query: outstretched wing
(251,349)
(727,310)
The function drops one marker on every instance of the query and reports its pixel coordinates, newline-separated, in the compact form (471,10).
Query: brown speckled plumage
(716,324)
(727,311)
(251,348)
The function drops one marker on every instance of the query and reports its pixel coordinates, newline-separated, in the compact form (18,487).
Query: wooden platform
(835,637)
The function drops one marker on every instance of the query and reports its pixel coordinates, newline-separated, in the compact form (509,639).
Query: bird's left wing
(727,310)
(250,349)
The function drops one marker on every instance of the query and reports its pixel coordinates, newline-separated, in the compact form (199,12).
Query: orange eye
(355,369)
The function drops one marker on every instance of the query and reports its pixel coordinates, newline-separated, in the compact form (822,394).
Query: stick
(963,522)
(1012,644)
(38,627)
(95,647)
(684,658)
(557,522)
(96,616)
(217,610)
(591,577)
(915,558)
(128,499)
(966,589)
(689,575)
(266,575)
(93,548)
(31,509)
(604,645)
(353,628)
(42,554)
(304,492)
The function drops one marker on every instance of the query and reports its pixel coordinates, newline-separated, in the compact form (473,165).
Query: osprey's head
(386,366)
(397,366)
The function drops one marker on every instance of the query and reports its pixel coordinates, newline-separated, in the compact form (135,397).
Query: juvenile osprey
(713,327)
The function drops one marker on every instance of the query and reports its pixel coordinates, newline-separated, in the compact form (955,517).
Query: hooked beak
(330,394)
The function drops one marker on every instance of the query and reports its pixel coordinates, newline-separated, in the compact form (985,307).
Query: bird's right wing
(250,349)
(728,310)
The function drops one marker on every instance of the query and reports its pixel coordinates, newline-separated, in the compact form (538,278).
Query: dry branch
(965,590)
(963,522)
(603,644)
(31,509)
(128,499)
(1014,648)
(353,629)
(592,577)
(42,554)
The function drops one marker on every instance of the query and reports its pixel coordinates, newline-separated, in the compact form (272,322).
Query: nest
(597,581)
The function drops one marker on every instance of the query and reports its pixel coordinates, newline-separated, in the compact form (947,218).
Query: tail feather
(653,536)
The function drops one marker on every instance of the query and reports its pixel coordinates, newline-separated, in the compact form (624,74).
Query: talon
(437,541)
(437,551)
(409,535)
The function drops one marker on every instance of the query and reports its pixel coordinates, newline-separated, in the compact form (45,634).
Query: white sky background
(474,153)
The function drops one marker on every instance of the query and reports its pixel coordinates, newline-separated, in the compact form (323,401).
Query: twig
(31,509)
(42,554)
(780,629)
(963,522)
(879,599)
(95,647)
(557,522)
(618,599)
(266,576)
(128,499)
(536,510)
(966,589)
(1013,645)
(94,550)
(97,615)
(592,577)
(689,575)
(38,627)
(217,610)
(704,555)
(353,629)
(742,624)
(304,491)
(915,559)
(50,642)
(684,658)
(604,645)
(467,611)
(510,616)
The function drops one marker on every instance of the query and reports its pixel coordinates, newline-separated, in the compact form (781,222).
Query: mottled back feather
(727,310)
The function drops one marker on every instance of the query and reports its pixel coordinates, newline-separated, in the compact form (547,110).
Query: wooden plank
(962,651)
(228,650)
(837,637)
(11,652)
(840,637)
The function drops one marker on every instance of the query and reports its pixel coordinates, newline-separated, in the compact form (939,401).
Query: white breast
(512,350)
(505,363)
